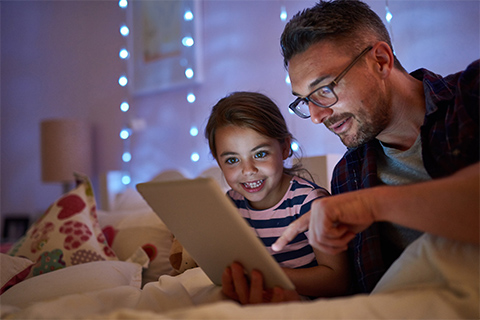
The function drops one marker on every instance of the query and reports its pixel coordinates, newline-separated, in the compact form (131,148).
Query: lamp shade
(66,148)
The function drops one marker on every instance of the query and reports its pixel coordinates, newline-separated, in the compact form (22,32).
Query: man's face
(361,112)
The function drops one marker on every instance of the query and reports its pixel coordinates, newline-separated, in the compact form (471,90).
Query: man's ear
(384,58)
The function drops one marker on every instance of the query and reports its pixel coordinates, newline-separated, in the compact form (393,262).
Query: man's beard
(368,127)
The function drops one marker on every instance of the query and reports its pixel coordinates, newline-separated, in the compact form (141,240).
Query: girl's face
(253,165)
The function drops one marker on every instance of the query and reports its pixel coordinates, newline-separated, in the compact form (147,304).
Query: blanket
(434,278)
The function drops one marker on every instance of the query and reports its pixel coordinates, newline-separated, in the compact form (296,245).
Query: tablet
(207,223)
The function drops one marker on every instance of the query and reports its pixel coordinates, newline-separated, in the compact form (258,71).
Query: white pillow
(80,278)
(129,199)
(13,270)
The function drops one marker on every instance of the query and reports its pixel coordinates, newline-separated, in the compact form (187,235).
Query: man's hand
(332,222)
(236,286)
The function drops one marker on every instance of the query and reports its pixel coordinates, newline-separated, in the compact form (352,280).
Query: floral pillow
(67,234)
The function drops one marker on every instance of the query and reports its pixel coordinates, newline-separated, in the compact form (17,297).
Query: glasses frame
(330,86)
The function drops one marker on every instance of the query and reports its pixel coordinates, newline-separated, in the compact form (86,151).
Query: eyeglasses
(323,97)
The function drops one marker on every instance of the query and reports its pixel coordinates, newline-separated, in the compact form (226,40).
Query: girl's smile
(253,186)
(253,164)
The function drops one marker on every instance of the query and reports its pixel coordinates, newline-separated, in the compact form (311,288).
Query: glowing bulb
(188,16)
(126,179)
(122,81)
(294,146)
(191,98)
(123,54)
(124,106)
(123,3)
(126,156)
(193,131)
(283,14)
(189,73)
(388,16)
(124,134)
(195,157)
(188,41)
(287,79)
(124,30)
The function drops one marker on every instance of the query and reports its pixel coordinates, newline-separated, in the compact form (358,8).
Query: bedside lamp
(65,149)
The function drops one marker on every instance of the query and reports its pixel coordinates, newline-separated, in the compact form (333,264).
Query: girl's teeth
(255,184)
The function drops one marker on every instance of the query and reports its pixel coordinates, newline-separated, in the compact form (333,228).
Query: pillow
(81,278)
(129,199)
(13,270)
(134,224)
(67,234)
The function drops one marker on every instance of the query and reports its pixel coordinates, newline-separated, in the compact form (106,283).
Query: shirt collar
(435,87)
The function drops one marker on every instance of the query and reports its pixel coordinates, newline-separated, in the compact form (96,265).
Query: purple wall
(60,59)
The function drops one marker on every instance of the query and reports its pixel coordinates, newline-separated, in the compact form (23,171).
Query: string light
(123,80)
(127,156)
(191,98)
(294,146)
(123,53)
(388,18)
(126,132)
(124,31)
(193,131)
(189,73)
(188,16)
(123,4)
(195,157)
(126,179)
(188,41)
(124,106)
(283,14)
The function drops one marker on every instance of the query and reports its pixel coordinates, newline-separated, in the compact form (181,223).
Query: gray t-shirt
(398,167)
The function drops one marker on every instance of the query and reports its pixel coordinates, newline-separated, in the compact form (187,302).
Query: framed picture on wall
(164,45)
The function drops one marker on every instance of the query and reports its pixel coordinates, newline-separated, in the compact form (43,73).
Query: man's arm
(447,207)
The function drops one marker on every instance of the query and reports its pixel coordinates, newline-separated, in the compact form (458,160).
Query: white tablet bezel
(208,225)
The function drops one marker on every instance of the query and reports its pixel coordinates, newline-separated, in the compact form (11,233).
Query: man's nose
(318,114)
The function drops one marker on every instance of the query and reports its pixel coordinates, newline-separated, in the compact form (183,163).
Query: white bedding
(434,278)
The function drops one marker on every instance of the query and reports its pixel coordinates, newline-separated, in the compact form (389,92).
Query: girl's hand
(236,286)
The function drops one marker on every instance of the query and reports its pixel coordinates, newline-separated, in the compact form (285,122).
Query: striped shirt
(269,224)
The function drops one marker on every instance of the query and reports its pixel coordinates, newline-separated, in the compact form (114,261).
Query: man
(413,144)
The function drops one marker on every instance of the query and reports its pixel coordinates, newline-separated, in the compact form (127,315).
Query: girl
(249,139)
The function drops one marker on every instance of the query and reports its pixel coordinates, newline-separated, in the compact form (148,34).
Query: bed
(114,264)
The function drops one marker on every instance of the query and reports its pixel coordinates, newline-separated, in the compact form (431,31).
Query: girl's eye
(231,160)
(261,154)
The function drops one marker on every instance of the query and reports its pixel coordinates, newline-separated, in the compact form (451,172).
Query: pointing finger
(292,231)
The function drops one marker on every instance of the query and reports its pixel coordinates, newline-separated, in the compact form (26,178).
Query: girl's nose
(249,168)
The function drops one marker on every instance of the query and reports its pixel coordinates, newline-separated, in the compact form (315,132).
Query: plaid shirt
(450,141)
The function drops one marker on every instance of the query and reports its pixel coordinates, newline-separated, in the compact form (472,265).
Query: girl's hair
(254,111)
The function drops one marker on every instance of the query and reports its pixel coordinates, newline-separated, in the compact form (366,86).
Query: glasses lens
(301,109)
(323,97)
